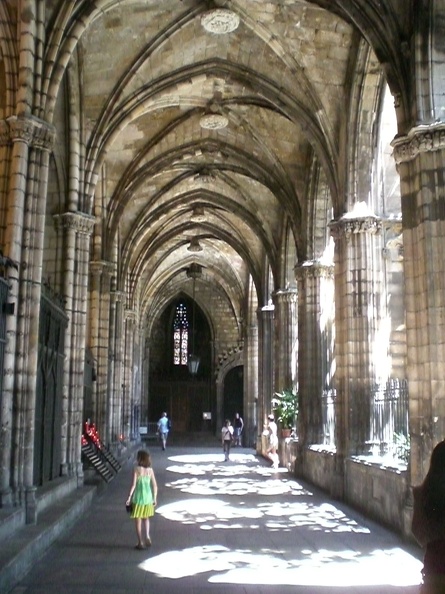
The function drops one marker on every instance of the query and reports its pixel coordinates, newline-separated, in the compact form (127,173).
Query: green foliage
(402,445)
(285,407)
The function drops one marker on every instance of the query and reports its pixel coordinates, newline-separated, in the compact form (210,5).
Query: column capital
(348,225)
(30,130)
(77,221)
(313,269)
(131,315)
(99,267)
(285,296)
(420,139)
(119,296)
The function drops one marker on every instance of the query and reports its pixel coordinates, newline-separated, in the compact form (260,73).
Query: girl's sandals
(139,547)
(148,542)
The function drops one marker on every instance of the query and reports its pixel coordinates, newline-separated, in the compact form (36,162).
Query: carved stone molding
(77,221)
(347,226)
(393,251)
(420,139)
(220,21)
(118,296)
(313,269)
(30,130)
(130,315)
(100,267)
(285,296)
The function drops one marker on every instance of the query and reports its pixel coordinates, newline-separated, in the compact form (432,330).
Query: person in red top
(428,524)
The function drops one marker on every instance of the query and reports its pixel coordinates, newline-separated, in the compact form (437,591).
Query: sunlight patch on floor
(211,512)
(384,567)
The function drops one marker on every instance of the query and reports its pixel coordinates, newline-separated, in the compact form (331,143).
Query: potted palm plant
(285,407)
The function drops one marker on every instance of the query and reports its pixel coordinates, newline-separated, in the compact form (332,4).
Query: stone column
(23,239)
(117,385)
(251,418)
(101,275)
(420,158)
(357,301)
(74,232)
(128,385)
(315,331)
(286,339)
(265,361)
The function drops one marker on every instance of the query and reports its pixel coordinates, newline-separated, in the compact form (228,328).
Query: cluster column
(24,225)
(286,339)
(129,399)
(100,300)
(420,158)
(265,358)
(74,232)
(358,253)
(315,330)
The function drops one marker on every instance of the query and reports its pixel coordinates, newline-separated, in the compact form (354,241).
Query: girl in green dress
(142,497)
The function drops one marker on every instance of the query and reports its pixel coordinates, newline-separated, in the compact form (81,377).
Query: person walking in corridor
(428,524)
(238,426)
(226,438)
(143,497)
(163,429)
(272,433)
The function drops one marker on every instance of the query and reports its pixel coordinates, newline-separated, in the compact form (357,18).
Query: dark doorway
(172,389)
(233,393)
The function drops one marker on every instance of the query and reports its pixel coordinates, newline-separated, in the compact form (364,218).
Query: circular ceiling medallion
(220,21)
(213,121)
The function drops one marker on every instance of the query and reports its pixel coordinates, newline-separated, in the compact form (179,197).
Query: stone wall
(379,492)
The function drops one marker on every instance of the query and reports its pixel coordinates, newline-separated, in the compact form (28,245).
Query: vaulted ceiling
(213,121)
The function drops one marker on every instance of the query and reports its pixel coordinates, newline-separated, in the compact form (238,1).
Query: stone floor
(223,527)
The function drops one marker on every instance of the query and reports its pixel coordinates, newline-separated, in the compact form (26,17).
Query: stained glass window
(180,335)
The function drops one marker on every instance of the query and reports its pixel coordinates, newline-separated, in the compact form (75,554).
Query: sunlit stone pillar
(253,424)
(315,329)
(265,360)
(286,339)
(420,158)
(358,253)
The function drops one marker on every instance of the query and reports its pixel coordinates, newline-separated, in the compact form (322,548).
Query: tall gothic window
(180,335)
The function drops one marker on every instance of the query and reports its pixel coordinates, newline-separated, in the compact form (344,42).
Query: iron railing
(389,419)
(389,430)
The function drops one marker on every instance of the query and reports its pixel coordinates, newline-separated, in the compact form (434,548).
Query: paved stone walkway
(223,528)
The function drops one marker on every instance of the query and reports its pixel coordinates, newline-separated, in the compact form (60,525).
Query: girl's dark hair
(143,459)
(434,483)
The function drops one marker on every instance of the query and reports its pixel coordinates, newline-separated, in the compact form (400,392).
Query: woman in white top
(226,438)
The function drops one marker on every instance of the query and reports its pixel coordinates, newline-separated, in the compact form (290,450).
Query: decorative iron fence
(389,419)
(389,430)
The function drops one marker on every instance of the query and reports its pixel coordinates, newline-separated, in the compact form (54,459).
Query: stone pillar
(265,361)
(315,331)
(101,277)
(128,395)
(420,158)
(286,339)
(358,253)
(23,240)
(117,381)
(74,232)
(254,424)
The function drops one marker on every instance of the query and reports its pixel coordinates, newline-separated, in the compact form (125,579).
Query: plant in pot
(285,407)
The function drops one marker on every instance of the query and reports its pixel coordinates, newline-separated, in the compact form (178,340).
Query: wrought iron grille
(389,422)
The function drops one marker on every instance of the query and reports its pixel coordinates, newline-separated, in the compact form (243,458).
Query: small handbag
(129,508)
